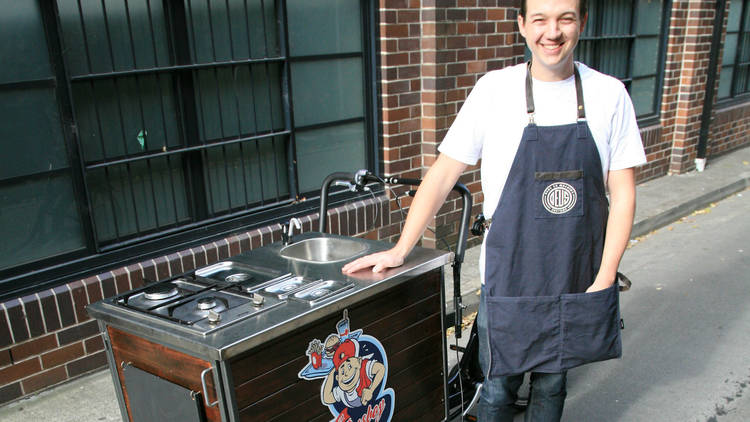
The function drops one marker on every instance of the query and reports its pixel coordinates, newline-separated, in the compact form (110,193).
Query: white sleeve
(462,142)
(338,394)
(626,146)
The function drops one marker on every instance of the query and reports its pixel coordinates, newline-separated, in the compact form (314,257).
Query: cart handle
(358,181)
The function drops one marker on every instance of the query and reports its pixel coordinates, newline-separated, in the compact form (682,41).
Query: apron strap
(530,94)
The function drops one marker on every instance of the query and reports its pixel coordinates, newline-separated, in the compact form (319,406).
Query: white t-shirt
(351,398)
(491,122)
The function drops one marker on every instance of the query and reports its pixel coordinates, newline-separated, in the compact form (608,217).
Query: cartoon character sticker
(354,368)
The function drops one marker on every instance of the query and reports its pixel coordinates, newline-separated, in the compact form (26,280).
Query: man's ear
(338,376)
(584,20)
(520,20)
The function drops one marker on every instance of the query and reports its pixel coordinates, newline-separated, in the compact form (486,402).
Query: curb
(660,220)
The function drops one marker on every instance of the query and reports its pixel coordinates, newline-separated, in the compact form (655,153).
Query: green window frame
(734,79)
(162,119)
(627,39)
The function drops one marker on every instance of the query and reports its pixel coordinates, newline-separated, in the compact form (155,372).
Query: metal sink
(323,249)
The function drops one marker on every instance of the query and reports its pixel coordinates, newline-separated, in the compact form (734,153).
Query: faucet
(288,228)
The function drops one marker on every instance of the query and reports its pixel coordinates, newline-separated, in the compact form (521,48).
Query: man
(551,136)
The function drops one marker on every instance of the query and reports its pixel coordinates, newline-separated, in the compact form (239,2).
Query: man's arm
(378,372)
(621,184)
(431,194)
(328,397)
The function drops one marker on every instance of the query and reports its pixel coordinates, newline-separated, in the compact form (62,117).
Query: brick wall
(688,50)
(730,129)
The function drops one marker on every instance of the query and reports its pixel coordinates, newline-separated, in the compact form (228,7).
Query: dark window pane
(730,49)
(616,17)
(735,15)
(642,92)
(39,220)
(23,47)
(327,90)
(725,82)
(615,59)
(646,57)
(126,116)
(246,174)
(257,91)
(139,197)
(31,132)
(342,147)
(744,47)
(585,52)
(245,29)
(324,27)
(741,80)
(108,41)
(648,21)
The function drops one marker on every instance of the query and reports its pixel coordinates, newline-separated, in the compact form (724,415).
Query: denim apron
(543,250)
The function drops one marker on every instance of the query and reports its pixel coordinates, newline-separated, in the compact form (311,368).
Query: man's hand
(430,195)
(378,261)
(601,282)
(366,396)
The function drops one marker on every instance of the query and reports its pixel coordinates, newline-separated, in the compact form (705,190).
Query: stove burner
(206,303)
(160,292)
(234,278)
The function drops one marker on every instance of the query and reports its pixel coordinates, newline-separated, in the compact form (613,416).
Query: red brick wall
(688,50)
(730,129)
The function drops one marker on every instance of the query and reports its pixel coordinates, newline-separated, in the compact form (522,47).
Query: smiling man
(554,136)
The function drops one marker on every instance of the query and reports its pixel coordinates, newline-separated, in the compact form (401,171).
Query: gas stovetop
(219,295)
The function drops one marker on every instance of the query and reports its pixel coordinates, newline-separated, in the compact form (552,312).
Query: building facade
(143,139)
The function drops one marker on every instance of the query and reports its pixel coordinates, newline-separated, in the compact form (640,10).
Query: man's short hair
(582,6)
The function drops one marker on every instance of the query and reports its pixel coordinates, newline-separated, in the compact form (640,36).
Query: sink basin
(323,249)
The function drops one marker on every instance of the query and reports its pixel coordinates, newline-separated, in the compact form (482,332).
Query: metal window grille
(734,80)
(626,39)
(179,115)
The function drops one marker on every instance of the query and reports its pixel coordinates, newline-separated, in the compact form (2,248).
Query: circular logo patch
(559,198)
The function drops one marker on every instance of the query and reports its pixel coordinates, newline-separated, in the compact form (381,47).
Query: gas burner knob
(213,317)
(258,299)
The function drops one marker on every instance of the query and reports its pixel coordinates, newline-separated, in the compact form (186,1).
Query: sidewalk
(659,202)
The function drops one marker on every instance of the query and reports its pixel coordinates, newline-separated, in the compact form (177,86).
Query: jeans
(499,393)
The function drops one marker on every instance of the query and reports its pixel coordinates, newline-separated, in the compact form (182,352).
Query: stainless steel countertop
(251,332)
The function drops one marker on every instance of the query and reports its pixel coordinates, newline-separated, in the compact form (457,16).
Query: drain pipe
(708,104)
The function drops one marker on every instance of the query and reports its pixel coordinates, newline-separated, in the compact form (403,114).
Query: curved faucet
(286,232)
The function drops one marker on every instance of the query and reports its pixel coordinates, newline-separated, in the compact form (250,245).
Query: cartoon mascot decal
(354,368)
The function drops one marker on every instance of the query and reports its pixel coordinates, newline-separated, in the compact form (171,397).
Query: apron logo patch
(559,198)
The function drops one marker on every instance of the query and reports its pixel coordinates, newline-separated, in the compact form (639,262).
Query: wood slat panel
(163,362)
(410,331)
(286,374)
(276,353)
(418,397)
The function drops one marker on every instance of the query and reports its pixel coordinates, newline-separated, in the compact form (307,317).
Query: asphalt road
(687,327)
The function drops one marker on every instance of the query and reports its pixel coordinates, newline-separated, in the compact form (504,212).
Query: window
(147,118)
(625,39)
(735,64)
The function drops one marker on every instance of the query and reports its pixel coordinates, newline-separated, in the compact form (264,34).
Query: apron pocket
(590,327)
(558,194)
(523,333)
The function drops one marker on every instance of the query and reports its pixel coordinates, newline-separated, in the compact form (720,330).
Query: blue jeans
(499,393)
